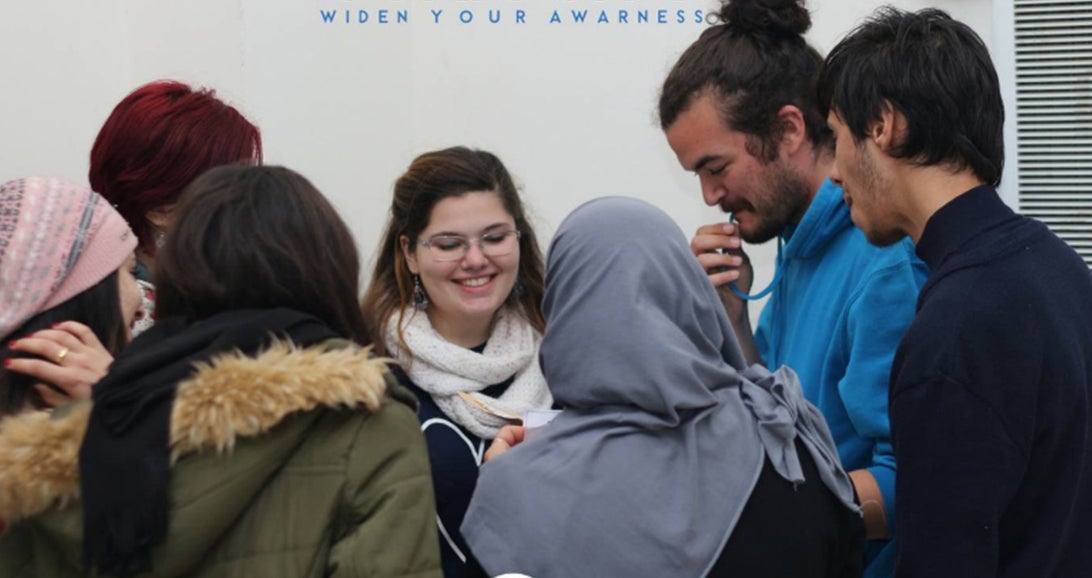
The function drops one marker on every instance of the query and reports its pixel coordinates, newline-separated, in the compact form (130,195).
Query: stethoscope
(773,282)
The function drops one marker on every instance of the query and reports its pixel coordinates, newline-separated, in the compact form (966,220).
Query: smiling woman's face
(471,289)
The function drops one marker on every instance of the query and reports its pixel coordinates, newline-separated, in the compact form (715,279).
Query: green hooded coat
(298,463)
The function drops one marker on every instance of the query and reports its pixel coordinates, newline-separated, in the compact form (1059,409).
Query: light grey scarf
(450,373)
(662,439)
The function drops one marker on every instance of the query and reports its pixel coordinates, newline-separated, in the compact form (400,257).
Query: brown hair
(430,178)
(249,237)
(753,62)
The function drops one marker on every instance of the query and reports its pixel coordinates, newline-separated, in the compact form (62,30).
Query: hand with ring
(70,359)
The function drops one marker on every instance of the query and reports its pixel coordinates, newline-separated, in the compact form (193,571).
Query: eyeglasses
(455,247)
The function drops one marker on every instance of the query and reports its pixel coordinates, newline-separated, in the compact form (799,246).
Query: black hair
(754,62)
(935,71)
(99,308)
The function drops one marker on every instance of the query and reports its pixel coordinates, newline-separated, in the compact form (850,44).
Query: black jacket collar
(959,221)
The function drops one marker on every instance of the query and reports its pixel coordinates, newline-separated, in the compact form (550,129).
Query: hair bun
(773,17)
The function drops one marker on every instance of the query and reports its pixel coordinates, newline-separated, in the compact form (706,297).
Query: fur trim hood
(230,398)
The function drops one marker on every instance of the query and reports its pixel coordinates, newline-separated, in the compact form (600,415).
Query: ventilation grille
(1054,117)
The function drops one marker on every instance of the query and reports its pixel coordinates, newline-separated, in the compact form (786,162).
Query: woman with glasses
(455,297)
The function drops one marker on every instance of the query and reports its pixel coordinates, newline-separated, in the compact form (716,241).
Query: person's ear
(409,253)
(160,217)
(794,132)
(888,132)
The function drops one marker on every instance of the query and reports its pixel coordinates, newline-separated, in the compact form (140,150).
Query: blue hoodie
(836,317)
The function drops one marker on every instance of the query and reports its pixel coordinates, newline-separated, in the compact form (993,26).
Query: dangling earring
(160,238)
(420,299)
(515,294)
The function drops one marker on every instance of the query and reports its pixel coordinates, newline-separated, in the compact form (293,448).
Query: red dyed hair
(159,139)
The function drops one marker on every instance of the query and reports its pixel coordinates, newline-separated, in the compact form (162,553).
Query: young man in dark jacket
(990,388)
(739,110)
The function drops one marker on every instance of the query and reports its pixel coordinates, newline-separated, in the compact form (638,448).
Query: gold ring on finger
(61,354)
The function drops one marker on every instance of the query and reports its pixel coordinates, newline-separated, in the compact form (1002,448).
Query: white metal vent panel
(1053,114)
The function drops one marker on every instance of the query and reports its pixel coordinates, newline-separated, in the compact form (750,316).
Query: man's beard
(867,195)
(783,201)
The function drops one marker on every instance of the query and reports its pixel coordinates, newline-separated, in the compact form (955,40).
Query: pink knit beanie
(57,240)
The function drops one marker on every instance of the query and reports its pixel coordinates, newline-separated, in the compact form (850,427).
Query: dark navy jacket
(990,401)
(455,455)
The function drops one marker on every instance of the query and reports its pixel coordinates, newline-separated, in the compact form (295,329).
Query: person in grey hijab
(671,458)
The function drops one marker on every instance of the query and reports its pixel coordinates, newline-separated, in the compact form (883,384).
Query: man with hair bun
(739,110)
(991,388)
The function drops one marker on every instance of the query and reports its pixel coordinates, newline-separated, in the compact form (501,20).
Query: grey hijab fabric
(646,471)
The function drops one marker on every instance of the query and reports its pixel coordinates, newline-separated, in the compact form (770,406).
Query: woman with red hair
(156,141)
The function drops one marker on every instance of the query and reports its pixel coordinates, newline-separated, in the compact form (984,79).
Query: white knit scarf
(445,370)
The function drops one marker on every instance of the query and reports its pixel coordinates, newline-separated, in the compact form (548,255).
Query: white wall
(66,63)
(834,18)
(569,108)
(196,41)
(63,66)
